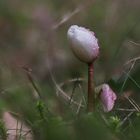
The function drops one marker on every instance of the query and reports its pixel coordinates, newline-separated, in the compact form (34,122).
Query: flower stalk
(90,102)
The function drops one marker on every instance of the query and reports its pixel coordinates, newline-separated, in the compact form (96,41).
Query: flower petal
(108,98)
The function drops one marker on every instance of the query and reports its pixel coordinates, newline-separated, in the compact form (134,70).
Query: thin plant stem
(73,90)
(30,78)
(90,102)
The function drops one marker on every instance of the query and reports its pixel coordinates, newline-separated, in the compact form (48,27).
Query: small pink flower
(108,98)
(84,43)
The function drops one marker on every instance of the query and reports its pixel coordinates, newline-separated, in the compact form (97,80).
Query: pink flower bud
(84,43)
(108,97)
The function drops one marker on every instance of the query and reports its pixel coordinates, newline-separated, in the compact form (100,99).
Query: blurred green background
(33,35)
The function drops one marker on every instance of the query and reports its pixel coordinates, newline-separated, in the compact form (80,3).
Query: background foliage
(33,36)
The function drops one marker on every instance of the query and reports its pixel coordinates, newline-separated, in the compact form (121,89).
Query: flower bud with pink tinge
(107,97)
(84,44)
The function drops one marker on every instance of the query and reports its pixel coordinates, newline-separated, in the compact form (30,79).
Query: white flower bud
(108,98)
(84,44)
